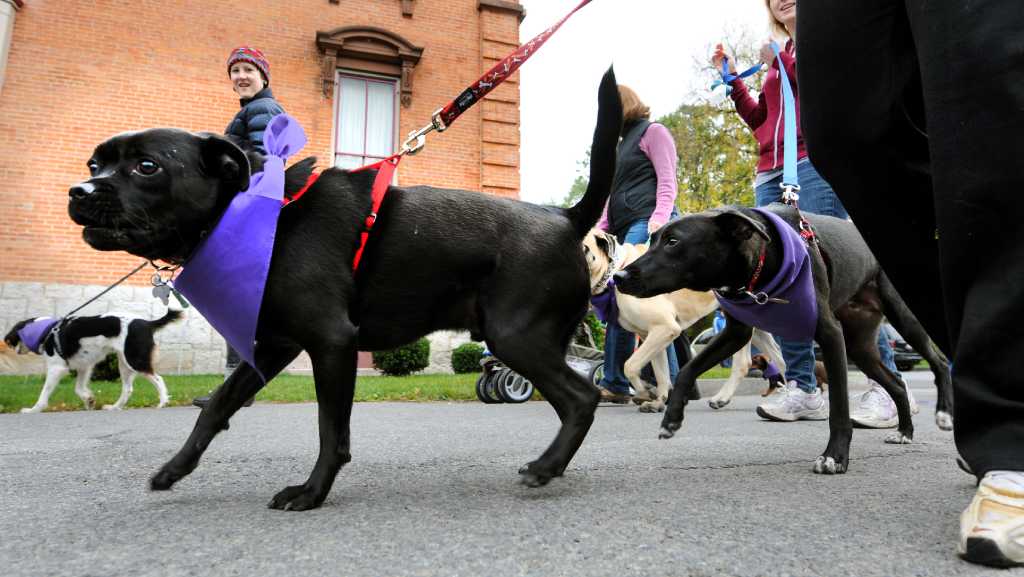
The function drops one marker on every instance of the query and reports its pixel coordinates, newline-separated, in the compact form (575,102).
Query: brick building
(357,74)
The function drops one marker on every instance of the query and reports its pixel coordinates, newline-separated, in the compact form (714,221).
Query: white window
(364,119)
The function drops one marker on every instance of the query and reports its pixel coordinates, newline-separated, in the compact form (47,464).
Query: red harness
(385,171)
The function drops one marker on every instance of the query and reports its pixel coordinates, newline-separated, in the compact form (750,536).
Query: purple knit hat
(253,56)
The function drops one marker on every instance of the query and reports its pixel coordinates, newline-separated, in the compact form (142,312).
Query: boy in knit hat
(249,72)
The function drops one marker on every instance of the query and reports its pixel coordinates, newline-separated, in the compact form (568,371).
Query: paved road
(432,491)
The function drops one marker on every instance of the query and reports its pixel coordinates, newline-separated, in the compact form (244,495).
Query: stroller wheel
(596,374)
(481,388)
(515,388)
(492,383)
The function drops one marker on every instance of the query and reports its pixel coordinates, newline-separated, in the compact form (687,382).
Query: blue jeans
(816,197)
(619,343)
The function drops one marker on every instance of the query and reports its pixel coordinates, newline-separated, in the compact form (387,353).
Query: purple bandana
(605,306)
(33,334)
(227,274)
(798,319)
(770,370)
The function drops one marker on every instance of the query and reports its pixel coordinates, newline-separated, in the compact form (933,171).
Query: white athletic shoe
(992,526)
(876,409)
(791,403)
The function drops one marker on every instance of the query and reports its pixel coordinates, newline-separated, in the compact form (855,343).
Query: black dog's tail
(165,320)
(585,213)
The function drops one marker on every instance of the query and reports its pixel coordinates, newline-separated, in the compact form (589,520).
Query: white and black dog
(79,343)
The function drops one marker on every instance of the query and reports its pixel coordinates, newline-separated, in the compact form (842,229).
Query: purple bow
(226,276)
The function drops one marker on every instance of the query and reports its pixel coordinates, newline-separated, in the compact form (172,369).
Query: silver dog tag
(162,292)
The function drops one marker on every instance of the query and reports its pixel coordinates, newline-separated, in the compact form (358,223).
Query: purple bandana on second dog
(796,320)
(225,278)
(605,306)
(34,333)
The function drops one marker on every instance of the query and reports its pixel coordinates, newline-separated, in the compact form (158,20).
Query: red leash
(440,122)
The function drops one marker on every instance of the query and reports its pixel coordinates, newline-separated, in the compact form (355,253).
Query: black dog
(511,273)
(720,248)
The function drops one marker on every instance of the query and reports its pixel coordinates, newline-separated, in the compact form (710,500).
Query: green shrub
(597,331)
(466,358)
(403,360)
(106,370)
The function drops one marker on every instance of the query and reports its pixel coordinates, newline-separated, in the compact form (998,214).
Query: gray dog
(735,251)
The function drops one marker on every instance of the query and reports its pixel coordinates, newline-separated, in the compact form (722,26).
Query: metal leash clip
(762,298)
(790,193)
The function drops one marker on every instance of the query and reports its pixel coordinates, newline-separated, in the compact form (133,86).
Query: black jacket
(247,127)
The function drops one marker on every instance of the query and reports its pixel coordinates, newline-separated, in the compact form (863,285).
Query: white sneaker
(992,526)
(877,410)
(791,403)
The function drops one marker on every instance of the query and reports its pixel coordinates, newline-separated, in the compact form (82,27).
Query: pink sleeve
(603,223)
(659,146)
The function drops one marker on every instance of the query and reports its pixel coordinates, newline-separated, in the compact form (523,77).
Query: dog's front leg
(829,334)
(82,388)
(54,373)
(334,371)
(724,345)
(225,401)
(652,350)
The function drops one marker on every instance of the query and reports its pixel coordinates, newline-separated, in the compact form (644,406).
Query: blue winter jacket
(248,125)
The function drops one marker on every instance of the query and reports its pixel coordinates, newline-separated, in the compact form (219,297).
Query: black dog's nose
(82,190)
(621,276)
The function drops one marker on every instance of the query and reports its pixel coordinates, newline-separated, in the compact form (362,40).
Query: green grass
(17,392)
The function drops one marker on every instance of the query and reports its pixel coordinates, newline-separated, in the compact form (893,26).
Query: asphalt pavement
(432,490)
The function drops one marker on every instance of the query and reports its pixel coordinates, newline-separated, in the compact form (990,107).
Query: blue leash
(727,78)
(790,181)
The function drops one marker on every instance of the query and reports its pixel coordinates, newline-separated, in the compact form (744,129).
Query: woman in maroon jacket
(801,399)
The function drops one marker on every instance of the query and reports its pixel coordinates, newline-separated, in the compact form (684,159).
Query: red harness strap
(313,177)
(385,170)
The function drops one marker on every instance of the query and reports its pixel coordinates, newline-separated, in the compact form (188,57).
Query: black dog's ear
(223,160)
(602,242)
(739,225)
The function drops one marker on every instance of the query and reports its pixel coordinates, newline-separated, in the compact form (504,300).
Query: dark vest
(635,188)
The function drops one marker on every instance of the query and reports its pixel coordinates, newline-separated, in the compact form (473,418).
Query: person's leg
(862,122)
(619,344)
(972,77)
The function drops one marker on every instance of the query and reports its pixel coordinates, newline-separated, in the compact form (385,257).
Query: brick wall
(79,71)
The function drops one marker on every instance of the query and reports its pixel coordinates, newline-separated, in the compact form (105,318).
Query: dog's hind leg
(740,368)
(225,401)
(54,373)
(161,388)
(768,346)
(861,332)
(539,355)
(334,374)
(726,343)
(907,325)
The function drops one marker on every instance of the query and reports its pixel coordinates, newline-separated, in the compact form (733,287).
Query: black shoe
(201,402)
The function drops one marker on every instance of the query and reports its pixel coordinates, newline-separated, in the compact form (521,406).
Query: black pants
(914,112)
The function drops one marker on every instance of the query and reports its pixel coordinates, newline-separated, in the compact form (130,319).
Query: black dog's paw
(900,438)
(669,428)
(297,498)
(534,475)
(163,480)
(825,465)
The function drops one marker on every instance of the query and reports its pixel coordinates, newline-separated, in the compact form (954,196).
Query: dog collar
(34,333)
(614,264)
(227,274)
